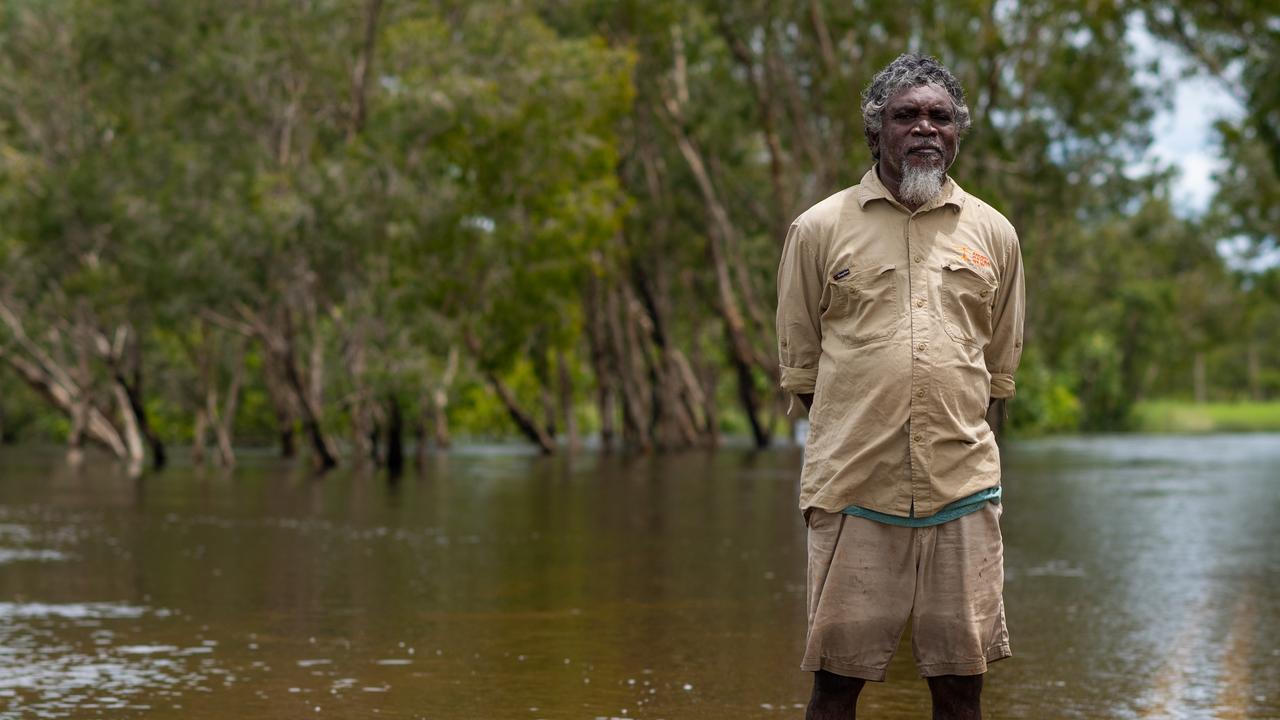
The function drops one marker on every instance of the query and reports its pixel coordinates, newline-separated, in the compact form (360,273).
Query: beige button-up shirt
(903,325)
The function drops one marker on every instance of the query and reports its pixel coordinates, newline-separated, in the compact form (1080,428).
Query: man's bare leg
(835,697)
(956,697)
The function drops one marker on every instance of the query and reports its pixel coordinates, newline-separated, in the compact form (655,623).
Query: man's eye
(941,118)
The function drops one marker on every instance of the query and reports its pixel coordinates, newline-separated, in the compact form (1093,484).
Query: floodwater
(1143,581)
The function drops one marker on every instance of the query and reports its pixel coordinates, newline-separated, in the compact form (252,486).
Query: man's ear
(873,141)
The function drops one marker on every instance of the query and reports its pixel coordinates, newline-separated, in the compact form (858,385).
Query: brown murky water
(1143,581)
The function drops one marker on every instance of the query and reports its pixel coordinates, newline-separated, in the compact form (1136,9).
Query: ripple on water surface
(48,670)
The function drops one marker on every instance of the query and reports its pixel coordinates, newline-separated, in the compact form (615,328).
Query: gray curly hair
(907,71)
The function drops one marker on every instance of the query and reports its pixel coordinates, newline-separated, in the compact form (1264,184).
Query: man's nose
(924,127)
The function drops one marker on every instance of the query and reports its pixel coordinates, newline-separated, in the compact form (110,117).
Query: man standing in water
(900,313)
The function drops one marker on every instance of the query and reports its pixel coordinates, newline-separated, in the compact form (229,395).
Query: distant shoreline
(1178,417)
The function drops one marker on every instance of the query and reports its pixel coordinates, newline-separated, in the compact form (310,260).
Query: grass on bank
(1173,416)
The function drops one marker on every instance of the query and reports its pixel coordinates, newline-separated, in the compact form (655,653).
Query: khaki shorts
(866,579)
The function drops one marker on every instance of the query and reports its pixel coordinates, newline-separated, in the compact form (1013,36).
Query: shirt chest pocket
(967,298)
(864,305)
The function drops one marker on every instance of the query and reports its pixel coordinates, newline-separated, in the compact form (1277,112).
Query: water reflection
(1141,583)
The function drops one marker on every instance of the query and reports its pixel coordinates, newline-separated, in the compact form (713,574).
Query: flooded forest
(359,230)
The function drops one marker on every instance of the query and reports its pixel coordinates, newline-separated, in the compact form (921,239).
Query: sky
(1183,131)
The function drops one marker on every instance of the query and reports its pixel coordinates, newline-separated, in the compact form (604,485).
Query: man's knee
(833,684)
(956,697)
(835,697)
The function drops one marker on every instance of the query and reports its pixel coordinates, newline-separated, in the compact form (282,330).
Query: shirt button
(982,294)
(918,437)
(919,303)
(920,347)
(920,393)
(917,258)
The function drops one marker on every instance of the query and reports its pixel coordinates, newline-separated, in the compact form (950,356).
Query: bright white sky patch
(1183,135)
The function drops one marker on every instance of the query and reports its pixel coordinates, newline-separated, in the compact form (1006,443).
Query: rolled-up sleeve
(1004,352)
(800,284)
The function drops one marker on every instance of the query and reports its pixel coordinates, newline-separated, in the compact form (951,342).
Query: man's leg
(835,697)
(956,697)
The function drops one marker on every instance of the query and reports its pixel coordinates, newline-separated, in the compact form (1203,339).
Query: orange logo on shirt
(973,257)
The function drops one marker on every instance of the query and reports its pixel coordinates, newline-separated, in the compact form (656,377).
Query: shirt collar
(872,189)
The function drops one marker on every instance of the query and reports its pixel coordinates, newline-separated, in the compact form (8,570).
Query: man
(900,312)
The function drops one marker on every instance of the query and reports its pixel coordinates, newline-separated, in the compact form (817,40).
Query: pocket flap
(963,270)
(863,277)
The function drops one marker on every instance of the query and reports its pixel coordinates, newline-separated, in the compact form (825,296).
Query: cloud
(1182,132)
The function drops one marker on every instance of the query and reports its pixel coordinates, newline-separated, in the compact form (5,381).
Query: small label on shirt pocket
(864,304)
(967,299)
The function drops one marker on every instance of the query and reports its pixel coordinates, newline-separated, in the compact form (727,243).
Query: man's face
(918,128)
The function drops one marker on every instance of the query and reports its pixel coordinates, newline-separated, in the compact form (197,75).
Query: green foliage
(177,168)
(1170,416)
(1045,403)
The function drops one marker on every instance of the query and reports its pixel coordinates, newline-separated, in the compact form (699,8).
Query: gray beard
(920,183)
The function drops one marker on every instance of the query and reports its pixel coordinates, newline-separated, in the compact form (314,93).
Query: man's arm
(801,280)
(996,416)
(1004,352)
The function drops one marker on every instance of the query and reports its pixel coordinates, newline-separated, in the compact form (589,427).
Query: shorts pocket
(967,297)
(864,305)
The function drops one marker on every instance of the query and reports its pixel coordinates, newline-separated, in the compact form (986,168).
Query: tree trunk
(709,373)
(137,453)
(395,436)
(525,422)
(631,377)
(198,433)
(54,382)
(675,424)
(129,385)
(566,402)
(281,405)
(304,391)
(360,407)
(1199,373)
(721,236)
(549,408)
(440,418)
(602,365)
(224,419)
(420,437)
(439,400)
(1254,371)
(750,402)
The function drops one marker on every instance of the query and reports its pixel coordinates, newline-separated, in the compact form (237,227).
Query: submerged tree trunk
(602,366)
(395,436)
(281,407)
(439,400)
(54,381)
(631,378)
(527,425)
(302,387)
(722,240)
(223,419)
(566,402)
(199,429)
(525,422)
(440,418)
(123,355)
(361,401)
(420,438)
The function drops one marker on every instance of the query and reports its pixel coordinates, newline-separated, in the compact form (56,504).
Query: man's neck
(893,185)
